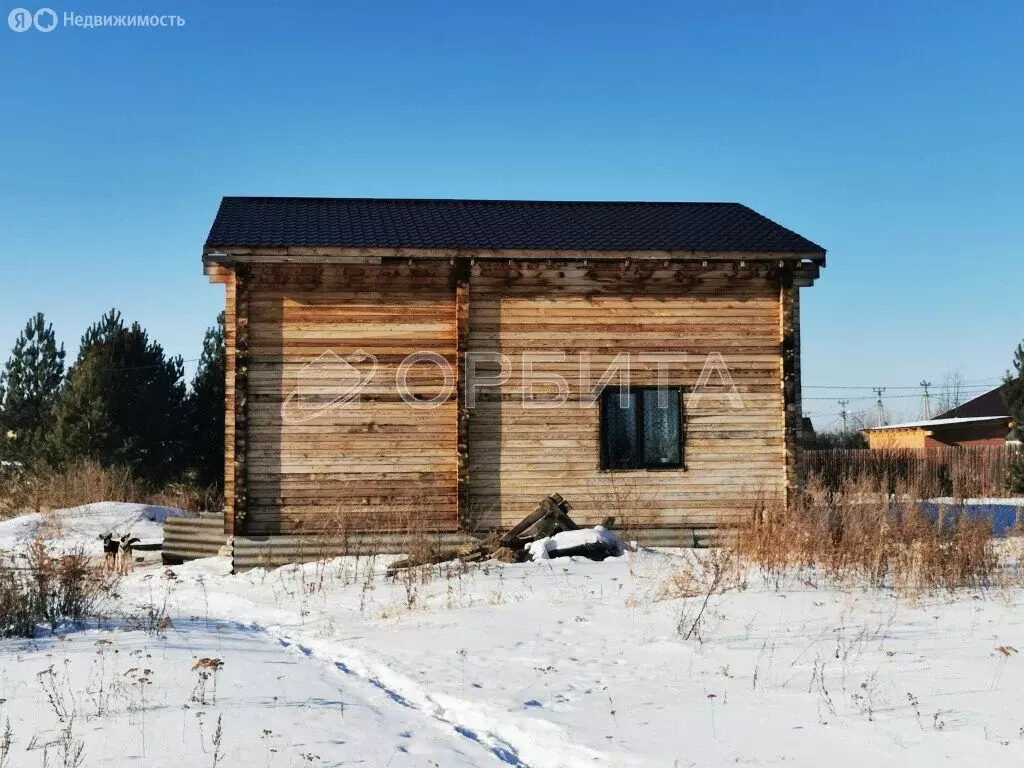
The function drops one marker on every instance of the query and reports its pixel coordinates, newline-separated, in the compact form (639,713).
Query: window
(641,428)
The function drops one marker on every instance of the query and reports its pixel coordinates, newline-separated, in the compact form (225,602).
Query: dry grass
(361,534)
(627,496)
(81,483)
(852,535)
(87,482)
(860,534)
(191,498)
(42,589)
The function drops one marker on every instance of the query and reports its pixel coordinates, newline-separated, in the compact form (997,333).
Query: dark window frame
(638,463)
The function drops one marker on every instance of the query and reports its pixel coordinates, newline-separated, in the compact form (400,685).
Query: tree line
(122,402)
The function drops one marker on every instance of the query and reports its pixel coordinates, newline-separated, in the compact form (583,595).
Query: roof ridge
(494,200)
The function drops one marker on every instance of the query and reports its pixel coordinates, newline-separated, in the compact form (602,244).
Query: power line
(973,383)
(897,397)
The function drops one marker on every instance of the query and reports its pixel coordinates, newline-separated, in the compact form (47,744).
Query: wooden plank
(240,398)
(230,350)
(789,314)
(460,276)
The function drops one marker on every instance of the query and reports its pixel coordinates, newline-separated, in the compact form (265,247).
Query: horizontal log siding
(517,454)
(376,464)
(230,347)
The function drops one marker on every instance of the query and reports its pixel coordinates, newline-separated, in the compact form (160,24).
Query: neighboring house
(397,364)
(985,420)
(808,437)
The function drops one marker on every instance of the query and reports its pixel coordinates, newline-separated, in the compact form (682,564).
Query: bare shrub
(704,576)
(218,735)
(191,498)
(60,693)
(150,617)
(86,482)
(69,749)
(44,589)
(11,480)
(857,532)
(81,483)
(630,498)
(6,743)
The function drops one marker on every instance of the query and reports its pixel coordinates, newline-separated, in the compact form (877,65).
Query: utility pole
(927,400)
(843,412)
(878,405)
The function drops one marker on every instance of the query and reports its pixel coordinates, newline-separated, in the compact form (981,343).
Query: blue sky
(891,133)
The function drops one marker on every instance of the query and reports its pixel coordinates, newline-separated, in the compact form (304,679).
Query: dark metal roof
(989,404)
(279,222)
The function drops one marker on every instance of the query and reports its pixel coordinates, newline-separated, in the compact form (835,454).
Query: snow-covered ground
(560,663)
(70,529)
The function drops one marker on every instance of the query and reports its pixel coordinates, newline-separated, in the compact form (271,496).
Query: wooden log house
(444,364)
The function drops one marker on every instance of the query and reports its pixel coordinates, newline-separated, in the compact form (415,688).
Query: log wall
(518,453)
(307,458)
(316,459)
(230,403)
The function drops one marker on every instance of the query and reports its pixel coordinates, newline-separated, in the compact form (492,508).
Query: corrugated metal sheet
(191,538)
(695,538)
(194,538)
(272,551)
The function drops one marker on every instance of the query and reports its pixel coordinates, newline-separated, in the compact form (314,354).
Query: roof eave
(937,424)
(236,254)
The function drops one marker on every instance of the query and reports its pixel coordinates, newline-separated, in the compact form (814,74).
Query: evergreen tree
(1013,395)
(29,386)
(206,410)
(123,403)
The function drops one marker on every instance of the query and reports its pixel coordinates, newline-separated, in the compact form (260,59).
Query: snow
(278,706)
(1014,501)
(557,664)
(542,549)
(939,422)
(68,529)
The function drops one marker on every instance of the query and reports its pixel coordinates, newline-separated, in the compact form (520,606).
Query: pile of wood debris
(533,537)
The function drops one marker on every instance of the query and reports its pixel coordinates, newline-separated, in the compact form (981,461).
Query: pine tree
(206,410)
(1013,395)
(123,403)
(29,386)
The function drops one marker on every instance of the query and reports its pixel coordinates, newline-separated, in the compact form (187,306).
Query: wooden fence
(968,472)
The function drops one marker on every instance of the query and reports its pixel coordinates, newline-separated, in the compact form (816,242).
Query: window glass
(661,427)
(620,426)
